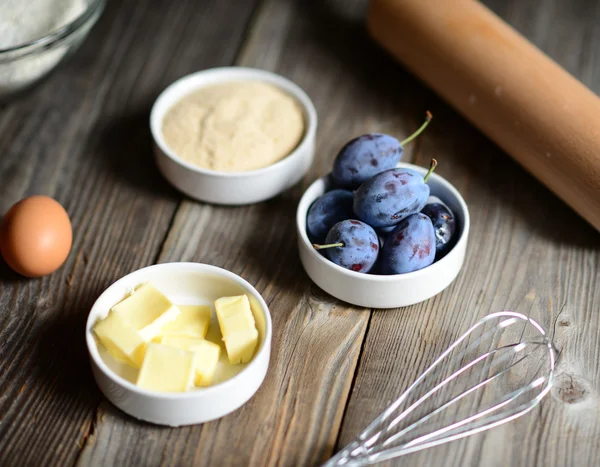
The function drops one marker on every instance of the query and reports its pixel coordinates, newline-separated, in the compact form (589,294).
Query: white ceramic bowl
(379,291)
(233,188)
(183,283)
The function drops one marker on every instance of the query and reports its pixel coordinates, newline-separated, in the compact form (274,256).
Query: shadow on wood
(66,367)
(8,276)
(123,146)
(270,245)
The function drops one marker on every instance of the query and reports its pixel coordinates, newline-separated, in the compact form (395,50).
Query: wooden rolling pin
(527,104)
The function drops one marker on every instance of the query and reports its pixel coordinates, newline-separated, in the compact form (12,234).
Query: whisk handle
(346,457)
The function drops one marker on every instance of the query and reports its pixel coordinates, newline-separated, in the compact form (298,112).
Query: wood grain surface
(82,136)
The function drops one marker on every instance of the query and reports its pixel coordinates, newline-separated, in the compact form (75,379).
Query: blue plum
(327,210)
(392,196)
(367,155)
(409,247)
(351,244)
(444,224)
(385,230)
(364,157)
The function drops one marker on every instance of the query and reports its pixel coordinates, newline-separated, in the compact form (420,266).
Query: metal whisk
(498,370)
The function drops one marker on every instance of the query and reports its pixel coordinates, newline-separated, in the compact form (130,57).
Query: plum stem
(331,245)
(432,167)
(428,118)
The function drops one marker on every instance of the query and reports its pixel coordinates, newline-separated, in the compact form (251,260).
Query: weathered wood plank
(83,137)
(294,418)
(528,252)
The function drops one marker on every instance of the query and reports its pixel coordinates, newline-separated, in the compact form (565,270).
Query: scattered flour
(26,20)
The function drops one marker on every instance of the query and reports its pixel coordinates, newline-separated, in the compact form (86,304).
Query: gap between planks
(90,430)
(245,52)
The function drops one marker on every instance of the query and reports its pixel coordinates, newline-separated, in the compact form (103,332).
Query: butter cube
(240,346)
(207,356)
(120,340)
(192,321)
(147,310)
(167,369)
(237,327)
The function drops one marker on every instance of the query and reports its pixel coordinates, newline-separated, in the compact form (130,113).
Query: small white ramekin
(232,188)
(379,291)
(183,283)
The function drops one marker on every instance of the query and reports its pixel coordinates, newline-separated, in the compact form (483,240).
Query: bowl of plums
(380,233)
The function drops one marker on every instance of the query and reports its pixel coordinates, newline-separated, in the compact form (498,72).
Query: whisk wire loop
(487,377)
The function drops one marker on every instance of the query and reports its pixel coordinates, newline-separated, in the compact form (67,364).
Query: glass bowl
(23,65)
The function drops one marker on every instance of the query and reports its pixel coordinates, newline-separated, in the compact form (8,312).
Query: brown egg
(36,236)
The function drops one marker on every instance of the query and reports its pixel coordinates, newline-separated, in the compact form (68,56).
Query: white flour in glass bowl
(22,21)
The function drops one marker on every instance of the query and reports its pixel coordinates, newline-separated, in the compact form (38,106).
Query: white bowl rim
(301,217)
(198,391)
(232,73)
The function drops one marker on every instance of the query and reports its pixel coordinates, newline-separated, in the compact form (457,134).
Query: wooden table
(83,137)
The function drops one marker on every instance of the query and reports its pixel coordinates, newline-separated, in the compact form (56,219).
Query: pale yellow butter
(167,369)
(147,310)
(121,340)
(207,356)
(237,327)
(192,321)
